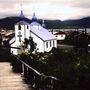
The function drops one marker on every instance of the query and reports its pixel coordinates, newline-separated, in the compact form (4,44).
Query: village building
(60,35)
(43,40)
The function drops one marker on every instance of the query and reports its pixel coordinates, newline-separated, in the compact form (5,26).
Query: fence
(38,80)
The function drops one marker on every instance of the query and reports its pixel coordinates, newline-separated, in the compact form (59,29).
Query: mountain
(9,22)
(78,23)
(53,24)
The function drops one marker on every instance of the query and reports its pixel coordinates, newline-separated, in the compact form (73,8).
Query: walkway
(10,80)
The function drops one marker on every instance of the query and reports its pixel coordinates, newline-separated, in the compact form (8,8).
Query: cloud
(72,3)
(59,9)
(80,3)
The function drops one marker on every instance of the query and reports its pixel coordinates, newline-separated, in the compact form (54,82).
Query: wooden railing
(38,80)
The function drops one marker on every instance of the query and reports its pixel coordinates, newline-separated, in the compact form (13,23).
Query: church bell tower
(22,31)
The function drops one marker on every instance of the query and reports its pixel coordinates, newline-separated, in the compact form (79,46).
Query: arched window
(50,44)
(53,43)
(46,44)
(19,27)
(27,27)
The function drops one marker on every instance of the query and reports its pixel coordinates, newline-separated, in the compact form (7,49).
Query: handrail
(28,66)
(38,73)
(52,77)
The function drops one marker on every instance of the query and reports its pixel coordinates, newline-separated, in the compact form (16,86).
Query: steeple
(43,24)
(21,14)
(34,18)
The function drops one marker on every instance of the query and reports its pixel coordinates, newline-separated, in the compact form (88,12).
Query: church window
(50,44)
(46,44)
(27,27)
(19,27)
(53,43)
(61,35)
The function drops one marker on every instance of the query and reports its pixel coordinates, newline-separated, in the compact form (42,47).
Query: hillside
(78,23)
(9,22)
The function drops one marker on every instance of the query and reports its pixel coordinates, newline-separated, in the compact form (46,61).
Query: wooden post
(51,84)
(41,81)
(27,69)
(34,85)
(22,69)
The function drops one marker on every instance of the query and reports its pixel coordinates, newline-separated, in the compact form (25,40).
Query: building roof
(42,33)
(59,33)
(35,23)
(22,23)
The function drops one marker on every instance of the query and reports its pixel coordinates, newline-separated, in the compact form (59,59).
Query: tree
(0,40)
(81,42)
(26,42)
(32,44)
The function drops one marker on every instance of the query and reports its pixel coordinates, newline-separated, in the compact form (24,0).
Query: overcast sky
(46,9)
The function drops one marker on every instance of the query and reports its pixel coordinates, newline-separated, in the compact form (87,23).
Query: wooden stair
(10,80)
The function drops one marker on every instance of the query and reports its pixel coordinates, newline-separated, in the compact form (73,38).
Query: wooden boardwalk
(10,80)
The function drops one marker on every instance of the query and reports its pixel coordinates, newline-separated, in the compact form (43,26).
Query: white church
(43,39)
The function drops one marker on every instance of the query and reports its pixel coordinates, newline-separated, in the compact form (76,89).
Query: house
(43,40)
(60,35)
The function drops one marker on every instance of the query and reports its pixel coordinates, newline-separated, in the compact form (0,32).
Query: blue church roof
(21,14)
(22,23)
(34,18)
(42,33)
